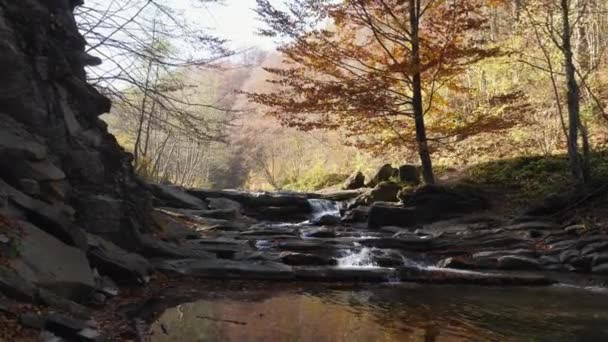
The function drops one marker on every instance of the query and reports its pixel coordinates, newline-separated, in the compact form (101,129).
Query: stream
(388,311)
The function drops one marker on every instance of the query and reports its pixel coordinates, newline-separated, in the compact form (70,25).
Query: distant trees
(142,45)
(564,26)
(374,68)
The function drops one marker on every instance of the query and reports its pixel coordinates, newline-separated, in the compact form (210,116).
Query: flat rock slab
(538,225)
(227,269)
(174,196)
(154,248)
(452,276)
(414,244)
(49,263)
(116,263)
(346,274)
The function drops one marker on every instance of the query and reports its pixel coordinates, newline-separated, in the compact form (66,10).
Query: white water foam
(322,208)
(362,258)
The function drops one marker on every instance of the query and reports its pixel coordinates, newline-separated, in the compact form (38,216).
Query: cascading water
(322,208)
(361,258)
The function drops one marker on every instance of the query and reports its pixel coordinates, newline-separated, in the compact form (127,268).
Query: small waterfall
(360,258)
(322,208)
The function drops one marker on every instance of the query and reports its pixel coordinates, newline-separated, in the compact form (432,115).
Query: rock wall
(60,169)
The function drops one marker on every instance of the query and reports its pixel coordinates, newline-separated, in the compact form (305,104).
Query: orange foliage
(349,66)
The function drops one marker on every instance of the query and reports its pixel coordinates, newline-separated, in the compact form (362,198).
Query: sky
(234,20)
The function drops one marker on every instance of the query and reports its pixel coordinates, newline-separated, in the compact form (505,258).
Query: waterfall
(322,208)
(360,258)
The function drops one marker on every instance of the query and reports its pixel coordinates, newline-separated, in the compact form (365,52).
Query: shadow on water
(397,312)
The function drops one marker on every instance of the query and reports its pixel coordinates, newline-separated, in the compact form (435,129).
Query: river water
(254,311)
(388,312)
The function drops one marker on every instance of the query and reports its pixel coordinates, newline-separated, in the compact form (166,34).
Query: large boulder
(385,192)
(409,174)
(354,181)
(116,263)
(427,204)
(172,196)
(49,263)
(383,174)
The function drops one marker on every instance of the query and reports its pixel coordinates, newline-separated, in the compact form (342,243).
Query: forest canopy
(354,84)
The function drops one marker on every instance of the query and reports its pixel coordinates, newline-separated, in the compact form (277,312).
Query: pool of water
(391,312)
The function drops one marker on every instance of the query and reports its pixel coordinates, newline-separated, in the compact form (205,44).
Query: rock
(62,304)
(268,232)
(305,246)
(599,258)
(299,259)
(47,336)
(172,227)
(105,215)
(251,201)
(32,320)
(227,269)
(49,263)
(225,204)
(337,196)
(354,181)
(18,142)
(384,192)
(49,119)
(29,186)
(536,225)
(409,174)
(447,276)
(154,248)
(600,269)
(326,220)
(55,220)
(72,329)
(515,262)
(383,174)
(388,214)
(319,233)
(115,262)
(458,199)
(427,204)
(457,263)
(219,214)
(345,274)
(224,248)
(358,214)
(526,253)
(408,244)
(595,247)
(173,196)
(569,255)
(14,286)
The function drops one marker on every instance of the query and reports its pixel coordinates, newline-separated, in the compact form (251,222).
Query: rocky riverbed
(85,245)
(433,238)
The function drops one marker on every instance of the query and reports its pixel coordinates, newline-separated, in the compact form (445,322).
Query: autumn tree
(375,68)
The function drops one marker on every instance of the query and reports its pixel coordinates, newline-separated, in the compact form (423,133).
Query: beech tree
(375,68)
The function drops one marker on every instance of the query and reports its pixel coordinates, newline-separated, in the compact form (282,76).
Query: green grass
(531,178)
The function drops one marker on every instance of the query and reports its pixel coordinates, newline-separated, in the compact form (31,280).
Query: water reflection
(391,313)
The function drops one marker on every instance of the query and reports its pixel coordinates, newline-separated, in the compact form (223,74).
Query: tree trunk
(573,98)
(423,148)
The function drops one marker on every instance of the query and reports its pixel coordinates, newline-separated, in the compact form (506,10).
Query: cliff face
(60,169)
